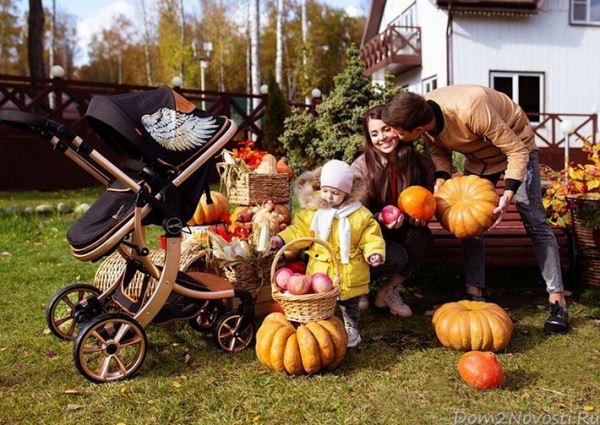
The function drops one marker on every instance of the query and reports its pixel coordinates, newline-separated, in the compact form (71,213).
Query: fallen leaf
(72,406)
(3,348)
(588,408)
(72,391)
(5,254)
(176,384)
(50,354)
(187,358)
(151,402)
(121,423)
(176,344)
(46,331)
(256,418)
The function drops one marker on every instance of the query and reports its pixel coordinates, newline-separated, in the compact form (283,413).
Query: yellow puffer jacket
(366,237)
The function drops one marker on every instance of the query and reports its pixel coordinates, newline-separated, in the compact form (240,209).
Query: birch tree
(279,43)
(147,42)
(254,41)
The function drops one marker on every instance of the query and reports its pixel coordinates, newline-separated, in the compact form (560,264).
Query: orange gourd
(284,168)
(481,370)
(465,205)
(307,349)
(211,213)
(473,325)
(417,202)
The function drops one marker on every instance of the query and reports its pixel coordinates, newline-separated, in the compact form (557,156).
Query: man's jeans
(529,203)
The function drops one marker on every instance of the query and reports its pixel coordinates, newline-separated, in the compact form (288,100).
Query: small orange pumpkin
(481,370)
(211,213)
(284,168)
(417,202)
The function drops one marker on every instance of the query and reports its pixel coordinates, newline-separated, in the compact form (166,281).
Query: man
(494,135)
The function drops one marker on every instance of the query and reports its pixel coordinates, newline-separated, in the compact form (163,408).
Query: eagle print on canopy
(177,131)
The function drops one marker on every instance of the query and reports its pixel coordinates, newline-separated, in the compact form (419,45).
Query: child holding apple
(389,166)
(331,210)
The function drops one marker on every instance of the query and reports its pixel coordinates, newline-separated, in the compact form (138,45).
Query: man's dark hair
(407,111)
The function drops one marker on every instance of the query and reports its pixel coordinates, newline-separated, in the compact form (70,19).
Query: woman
(388,167)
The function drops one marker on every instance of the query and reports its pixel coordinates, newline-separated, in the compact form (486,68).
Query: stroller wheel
(111,347)
(209,313)
(228,336)
(59,312)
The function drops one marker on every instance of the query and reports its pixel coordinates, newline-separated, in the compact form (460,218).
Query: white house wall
(569,56)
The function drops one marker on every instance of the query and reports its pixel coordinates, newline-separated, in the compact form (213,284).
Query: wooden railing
(398,48)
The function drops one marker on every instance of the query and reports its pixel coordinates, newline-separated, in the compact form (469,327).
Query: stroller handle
(45,127)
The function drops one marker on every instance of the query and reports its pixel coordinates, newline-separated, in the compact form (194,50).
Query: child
(335,215)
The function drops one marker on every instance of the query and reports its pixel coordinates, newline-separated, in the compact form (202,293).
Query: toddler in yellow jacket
(331,210)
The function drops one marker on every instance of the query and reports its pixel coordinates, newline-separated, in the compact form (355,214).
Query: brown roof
(373,20)
(492,6)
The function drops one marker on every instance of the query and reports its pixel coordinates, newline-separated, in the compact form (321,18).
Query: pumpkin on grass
(417,202)
(307,349)
(473,325)
(211,213)
(481,370)
(465,205)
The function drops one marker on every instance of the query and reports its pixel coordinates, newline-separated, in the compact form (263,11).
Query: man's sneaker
(353,337)
(388,297)
(558,321)
(363,303)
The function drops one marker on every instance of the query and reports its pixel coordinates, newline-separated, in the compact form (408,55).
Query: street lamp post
(203,59)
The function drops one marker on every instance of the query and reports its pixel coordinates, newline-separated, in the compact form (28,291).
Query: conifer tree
(276,112)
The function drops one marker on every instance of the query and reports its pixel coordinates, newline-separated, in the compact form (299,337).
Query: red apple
(390,213)
(245,216)
(296,266)
(298,284)
(321,283)
(282,277)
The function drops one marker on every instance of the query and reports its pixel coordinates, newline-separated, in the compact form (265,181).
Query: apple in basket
(282,276)
(321,282)
(296,266)
(299,284)
(390,213)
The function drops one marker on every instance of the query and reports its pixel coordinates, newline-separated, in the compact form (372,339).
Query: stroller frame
(105,335)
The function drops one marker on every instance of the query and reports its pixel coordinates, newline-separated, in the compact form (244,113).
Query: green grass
(399,375)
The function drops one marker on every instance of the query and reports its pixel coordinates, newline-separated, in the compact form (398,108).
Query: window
(525,88)
(585,11)
(408,18)
(429,84)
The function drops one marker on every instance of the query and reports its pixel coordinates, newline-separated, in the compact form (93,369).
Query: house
(543,54)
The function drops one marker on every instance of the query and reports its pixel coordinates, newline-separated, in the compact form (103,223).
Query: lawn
(400,374)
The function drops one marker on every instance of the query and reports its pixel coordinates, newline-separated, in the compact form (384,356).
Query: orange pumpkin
(465,205)
(284,168)
(472,325)
(417,202)
(211,213)
(481,370)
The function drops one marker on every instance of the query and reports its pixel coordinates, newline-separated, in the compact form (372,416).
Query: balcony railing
(397,49)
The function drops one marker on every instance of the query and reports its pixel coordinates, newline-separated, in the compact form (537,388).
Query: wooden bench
(506,245)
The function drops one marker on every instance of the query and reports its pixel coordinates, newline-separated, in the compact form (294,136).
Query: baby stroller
(169,145)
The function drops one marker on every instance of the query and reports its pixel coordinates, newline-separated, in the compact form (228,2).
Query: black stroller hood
(148,125)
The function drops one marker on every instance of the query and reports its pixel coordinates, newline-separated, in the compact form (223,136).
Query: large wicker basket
(588,240)
(192,259)
(309,307)
(250,275)
(245,187)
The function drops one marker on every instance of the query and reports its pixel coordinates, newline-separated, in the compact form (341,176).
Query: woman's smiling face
(383,137)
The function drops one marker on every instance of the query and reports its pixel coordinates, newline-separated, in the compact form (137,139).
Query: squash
(284,168)
(417,202)
(268,165)
(211,213)
(481,370)
(308,349)
(465,205)
(473,325)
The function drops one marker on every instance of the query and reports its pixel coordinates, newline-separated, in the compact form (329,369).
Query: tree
(276,112)
(35,40)
(336,132)
(9,36)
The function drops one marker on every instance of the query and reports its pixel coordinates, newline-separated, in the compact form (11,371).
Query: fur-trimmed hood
(308,186)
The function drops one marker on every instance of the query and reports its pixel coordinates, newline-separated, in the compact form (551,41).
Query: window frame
(515,87)
(429,80)
(587,22)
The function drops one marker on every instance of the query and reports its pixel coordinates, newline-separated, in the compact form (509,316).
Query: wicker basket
(590,270)
(586,237)
(246,187)
(250,275)
(192,259)
(309,307)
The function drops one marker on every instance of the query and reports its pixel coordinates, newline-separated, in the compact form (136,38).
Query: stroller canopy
(153,125)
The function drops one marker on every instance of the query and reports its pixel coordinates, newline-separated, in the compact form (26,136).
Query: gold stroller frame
(106,335)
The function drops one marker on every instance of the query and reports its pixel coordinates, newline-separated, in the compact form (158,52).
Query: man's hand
(503,204)
(417,222)
(438,183)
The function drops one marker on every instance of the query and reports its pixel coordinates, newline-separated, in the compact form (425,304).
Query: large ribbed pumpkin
(465,205)
(417,202)
(211,213)
(308,349)
(473,325)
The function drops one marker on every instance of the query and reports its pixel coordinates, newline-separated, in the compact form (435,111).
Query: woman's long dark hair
(411,170)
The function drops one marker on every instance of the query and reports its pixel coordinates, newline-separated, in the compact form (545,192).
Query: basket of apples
(305,298)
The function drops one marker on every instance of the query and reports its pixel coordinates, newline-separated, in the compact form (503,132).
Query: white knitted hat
(337,174)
